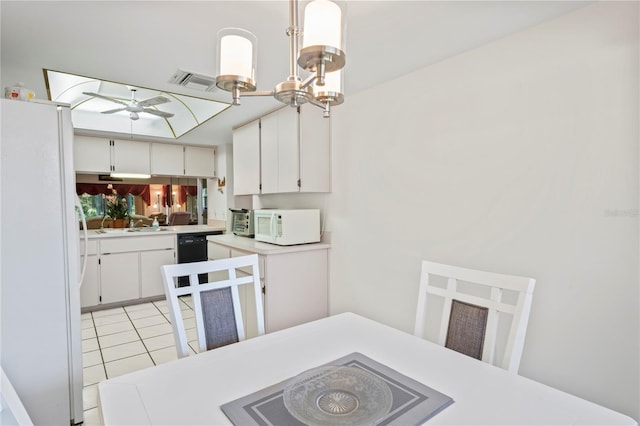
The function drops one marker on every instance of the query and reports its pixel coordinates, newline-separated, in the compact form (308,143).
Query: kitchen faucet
(102,223)
(132,225)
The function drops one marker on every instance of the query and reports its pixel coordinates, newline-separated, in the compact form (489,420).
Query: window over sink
(141,202)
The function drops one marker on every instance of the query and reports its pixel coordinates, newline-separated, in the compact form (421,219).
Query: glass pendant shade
(323,38)
(237,57)
(332,91)
(333,82)
(322,24)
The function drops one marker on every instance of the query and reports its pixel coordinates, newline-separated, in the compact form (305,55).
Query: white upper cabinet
(167,159)
(315,150)
(269,154)
(199,161)
(285,151)
(180,160)
(246,159)
(279,151)
(91,155)
(130,156)
(98,155)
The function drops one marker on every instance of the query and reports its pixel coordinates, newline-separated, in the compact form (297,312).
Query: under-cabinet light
(130,175)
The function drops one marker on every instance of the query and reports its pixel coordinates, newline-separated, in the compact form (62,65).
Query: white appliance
(287,227)
(40,341)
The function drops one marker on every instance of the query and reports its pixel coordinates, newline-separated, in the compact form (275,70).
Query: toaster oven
(242,222)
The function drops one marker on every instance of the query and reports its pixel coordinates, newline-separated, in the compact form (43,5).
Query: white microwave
(287,227)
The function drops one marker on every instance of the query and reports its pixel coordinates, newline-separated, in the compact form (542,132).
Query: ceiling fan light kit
(322,54)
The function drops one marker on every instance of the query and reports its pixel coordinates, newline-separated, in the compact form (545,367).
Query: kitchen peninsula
(295,279)
(123,265)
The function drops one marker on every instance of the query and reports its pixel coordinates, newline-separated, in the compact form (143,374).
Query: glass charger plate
(337,395)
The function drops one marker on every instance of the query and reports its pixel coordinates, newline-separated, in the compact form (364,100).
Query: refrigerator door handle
(85,234)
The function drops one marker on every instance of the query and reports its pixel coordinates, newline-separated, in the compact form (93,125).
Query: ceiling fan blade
(158,113)
(154,101)
(111,111)
(98,95)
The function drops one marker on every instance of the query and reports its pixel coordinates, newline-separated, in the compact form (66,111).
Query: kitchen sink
(146,229)
(124,230)
(111,231)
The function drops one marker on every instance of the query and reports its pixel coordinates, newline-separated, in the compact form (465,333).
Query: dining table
(206,388)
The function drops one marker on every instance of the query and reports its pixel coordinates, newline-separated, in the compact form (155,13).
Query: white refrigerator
(40,339)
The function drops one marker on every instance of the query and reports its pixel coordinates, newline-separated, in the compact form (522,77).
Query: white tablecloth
(191,390)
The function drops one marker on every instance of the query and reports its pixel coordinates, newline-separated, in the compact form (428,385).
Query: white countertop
(162,230)
(253,246)
(191,390)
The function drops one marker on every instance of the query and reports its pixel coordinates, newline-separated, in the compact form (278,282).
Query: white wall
(518,157)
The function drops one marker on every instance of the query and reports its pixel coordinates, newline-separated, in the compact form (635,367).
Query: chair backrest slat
(496,309)
(217,302)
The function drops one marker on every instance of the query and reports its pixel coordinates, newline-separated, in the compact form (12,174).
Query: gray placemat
(413,402)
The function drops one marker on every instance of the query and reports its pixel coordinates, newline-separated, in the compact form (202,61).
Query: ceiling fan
(134,107)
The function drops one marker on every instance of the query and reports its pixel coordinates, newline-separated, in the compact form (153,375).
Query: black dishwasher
(193,248)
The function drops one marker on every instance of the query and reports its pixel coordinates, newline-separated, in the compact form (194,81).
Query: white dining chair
(216,303)
(476,306)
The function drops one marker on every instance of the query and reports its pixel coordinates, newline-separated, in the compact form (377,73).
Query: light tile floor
(121,340)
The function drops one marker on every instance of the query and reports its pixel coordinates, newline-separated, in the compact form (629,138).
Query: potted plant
(117,209)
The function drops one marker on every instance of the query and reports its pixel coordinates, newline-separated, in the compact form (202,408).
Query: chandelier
(322,54)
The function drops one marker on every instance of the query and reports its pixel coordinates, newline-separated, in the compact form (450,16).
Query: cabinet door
(288,150)
(296,288)
(247,298)
(269,153)
(91,155)
(279,151)
(151,283)
(246,159)
(216,251)
(199,161)
(90,290)
(119,277)
(167,159)
(315,150)
(131,157)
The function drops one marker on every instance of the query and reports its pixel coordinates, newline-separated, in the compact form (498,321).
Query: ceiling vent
(193,80)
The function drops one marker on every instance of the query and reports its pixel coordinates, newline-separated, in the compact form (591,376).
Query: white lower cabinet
(151,283)
(217,251)
(295,287)
(125,269)
(90,289)
(247,298)
(119,276)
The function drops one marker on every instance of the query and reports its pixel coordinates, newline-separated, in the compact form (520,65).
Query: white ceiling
(142,43)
